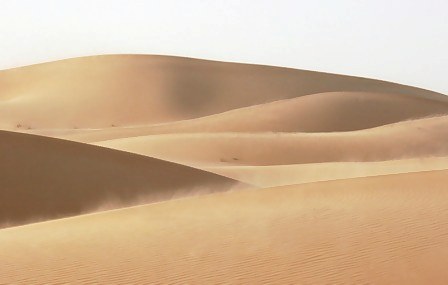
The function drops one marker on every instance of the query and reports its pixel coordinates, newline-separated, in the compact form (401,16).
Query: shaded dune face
(43,178)
(163,89)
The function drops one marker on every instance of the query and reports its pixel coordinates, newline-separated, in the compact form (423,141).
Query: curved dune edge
(324,112)
(280,175)
(93,92)
(411,139)
(44,178)
(382,230)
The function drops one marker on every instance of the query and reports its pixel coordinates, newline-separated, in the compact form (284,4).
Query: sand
(66,94)
(44,178)
(141,169)
(410,139)
(279,175)
(325,112)
(379,230)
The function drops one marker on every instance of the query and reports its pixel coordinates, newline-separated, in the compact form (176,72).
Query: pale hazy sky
(405,41)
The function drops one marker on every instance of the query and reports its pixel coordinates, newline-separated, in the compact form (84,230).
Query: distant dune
(129,169)
(95,92)
(325,112)
(425,137)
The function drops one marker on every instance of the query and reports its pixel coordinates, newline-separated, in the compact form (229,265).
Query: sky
(404,41)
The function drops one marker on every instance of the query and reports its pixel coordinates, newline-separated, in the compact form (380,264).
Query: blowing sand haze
(143,169)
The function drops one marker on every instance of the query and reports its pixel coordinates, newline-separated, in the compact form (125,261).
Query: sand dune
(419,138)
(365,161)
(68,94)
(378,230)
(43,178)
(325,112)
(279,175)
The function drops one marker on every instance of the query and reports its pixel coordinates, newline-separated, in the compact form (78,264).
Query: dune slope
(410,139)
(326,112)
(94,92)
(43,178)
(279,175)
(378,230)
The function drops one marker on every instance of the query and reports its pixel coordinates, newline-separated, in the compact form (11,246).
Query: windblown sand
(133,169)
